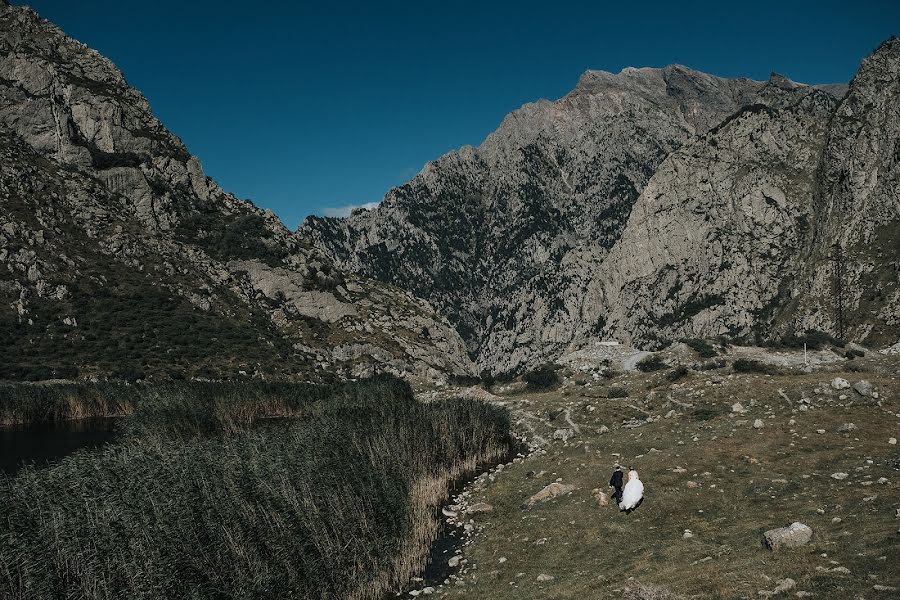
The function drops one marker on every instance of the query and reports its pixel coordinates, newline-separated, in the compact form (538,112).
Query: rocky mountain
(735,233)
(119,256)
(650,205)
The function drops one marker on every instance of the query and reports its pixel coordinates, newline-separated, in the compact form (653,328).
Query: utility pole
(837,257)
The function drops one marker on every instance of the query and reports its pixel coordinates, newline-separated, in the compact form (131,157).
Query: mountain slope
(117,253)
(735,233)
(503,238)
(531,246)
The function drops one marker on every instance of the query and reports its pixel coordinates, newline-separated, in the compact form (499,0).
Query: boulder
(480,507)
(553,490)
(863,388)
(794,535)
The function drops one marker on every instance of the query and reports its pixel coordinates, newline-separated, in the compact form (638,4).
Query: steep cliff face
(739,233)
(504,238)
(858,209)
(712,245)
(118,253)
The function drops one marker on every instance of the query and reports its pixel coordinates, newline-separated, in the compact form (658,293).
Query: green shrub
(813,339)
(679,372)
(651,363)
(617,392)
(542,378)
(701,347)
(745,365)
(852,353)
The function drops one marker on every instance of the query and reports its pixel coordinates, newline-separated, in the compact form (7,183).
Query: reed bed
(206,499)
(192,406)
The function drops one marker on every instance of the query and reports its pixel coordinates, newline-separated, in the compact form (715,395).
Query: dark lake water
(46,443)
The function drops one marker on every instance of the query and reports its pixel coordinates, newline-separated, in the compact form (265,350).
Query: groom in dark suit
(616,482)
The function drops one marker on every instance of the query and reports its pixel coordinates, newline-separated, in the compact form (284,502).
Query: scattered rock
(784,585)
(839,476)
(758,424)
(847,428)
(794,535)
(563,434)
(738,408)
(454,561)
(892,441)
(543,577)
(839,383)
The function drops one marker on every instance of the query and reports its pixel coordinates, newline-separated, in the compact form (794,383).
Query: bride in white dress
(633,492)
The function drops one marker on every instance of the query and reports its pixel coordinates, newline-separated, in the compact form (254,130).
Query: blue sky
(304,106)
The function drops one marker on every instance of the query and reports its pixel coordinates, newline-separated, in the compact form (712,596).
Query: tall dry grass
(204,499)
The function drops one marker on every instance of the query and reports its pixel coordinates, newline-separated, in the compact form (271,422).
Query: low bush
(745,365)
(679,372)
(651,363)
(542,378)
(709,365)
(701,347)
(812,338)
(617,392)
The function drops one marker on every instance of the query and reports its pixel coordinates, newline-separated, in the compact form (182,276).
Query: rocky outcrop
(118,254)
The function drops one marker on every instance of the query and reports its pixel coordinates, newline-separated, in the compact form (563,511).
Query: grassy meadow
(714,483)
(240,491)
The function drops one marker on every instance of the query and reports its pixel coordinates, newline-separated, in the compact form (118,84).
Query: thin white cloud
(344,211)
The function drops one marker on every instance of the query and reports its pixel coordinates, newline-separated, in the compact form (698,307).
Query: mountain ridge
(512,231)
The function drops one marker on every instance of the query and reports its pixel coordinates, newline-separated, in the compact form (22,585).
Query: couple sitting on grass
(631,496)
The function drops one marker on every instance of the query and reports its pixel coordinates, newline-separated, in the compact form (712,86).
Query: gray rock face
(110,227)
(858,207)
(650,205)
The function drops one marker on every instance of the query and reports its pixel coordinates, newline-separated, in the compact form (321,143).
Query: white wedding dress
(633,492)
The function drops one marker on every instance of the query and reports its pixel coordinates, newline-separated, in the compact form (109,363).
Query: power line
(837,257)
